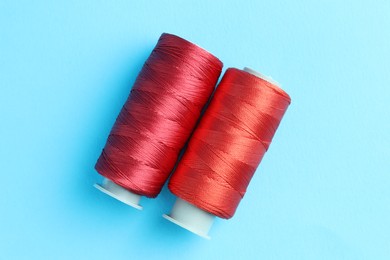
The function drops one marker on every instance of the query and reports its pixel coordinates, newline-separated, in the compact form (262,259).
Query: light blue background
(322,191)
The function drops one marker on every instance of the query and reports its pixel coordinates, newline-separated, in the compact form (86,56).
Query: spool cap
(191,218)
(118,192)
(258,74)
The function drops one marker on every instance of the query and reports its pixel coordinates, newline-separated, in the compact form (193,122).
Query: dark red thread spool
(225,149)
(157,119)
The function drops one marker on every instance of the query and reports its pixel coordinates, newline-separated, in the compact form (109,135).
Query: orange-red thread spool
(226,148)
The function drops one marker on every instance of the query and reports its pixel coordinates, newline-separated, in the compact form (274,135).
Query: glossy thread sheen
(159,115)
(229,143)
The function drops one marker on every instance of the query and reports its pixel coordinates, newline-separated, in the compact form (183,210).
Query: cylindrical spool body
(201,224)
(158,117)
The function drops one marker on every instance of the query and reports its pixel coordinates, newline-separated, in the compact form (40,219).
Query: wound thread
(159,115)
(229,143)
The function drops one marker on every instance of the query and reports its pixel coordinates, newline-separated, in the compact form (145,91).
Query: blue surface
(322,191)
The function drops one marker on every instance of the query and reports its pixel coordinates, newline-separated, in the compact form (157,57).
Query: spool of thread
(157,119)
(225,149)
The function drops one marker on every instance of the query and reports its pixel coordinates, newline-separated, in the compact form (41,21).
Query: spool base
(191,218)
(114,190)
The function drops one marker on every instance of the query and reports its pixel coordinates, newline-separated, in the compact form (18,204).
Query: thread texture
(159,115)
(229,143)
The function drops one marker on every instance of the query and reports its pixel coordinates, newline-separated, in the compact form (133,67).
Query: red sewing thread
(159,115)
(229,143)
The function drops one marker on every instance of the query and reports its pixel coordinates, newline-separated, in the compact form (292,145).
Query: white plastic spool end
(118,192)
(259,75)
(191,218)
